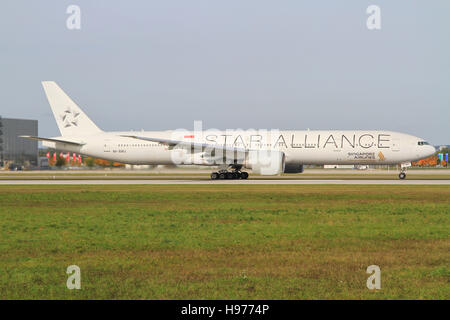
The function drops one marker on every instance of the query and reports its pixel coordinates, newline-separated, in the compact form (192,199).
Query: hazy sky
(233,64)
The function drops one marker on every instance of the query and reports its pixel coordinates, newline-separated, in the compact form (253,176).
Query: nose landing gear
(403,167)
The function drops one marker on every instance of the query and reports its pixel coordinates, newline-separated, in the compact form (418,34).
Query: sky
(288,64)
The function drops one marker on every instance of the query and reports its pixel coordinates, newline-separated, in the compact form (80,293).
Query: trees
(89,162)
(428,162)
(60,161)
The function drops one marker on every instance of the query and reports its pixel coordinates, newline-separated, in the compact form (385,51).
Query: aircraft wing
(189,144)
(53,140)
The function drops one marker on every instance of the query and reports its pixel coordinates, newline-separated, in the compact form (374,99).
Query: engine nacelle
(265,162)
(293,168)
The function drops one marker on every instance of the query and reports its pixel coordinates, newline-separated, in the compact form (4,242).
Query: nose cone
(430,150)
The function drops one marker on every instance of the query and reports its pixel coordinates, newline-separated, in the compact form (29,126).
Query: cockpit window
(423,143)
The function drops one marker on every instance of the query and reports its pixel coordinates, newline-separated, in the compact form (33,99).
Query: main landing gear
(224,174)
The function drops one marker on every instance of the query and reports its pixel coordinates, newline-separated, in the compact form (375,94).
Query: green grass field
(224,241)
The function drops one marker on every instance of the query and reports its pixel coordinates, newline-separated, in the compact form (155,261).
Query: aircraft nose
(431,150)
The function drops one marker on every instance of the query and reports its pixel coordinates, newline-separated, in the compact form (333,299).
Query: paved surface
(244,182)
(209,170)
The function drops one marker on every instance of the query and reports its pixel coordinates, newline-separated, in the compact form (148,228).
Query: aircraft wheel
(244,175)
(221,176)
(214,176)
(402,175)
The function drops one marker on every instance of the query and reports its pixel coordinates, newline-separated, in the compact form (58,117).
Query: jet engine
(265,162)
(293,168)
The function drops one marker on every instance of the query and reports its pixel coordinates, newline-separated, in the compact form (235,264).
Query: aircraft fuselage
(302,147)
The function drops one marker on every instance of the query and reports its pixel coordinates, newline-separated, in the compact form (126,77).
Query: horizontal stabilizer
(53,140)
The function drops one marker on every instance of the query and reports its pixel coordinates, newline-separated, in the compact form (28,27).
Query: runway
(232,182)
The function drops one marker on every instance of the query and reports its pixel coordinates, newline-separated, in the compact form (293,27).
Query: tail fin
(71,120)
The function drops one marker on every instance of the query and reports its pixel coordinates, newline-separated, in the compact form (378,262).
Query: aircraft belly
(130,155)
(151,157)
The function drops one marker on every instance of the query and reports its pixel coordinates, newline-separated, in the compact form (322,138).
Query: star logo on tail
(70,117)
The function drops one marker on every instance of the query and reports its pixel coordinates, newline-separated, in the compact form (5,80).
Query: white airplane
(269,152)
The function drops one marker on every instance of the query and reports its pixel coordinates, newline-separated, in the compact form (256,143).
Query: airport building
(16,151)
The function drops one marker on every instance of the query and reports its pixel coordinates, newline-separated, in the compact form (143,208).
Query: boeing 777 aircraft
(267,152)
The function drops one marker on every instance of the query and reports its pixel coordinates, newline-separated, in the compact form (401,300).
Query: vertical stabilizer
(71,120)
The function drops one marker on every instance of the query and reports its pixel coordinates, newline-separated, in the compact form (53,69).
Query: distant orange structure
(76,160)
(103,163)
(428,162)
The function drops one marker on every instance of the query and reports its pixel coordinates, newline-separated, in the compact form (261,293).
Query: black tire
(235,175)
(244,175)
(402,175)
(221,176)
(229,175)
(214,176)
